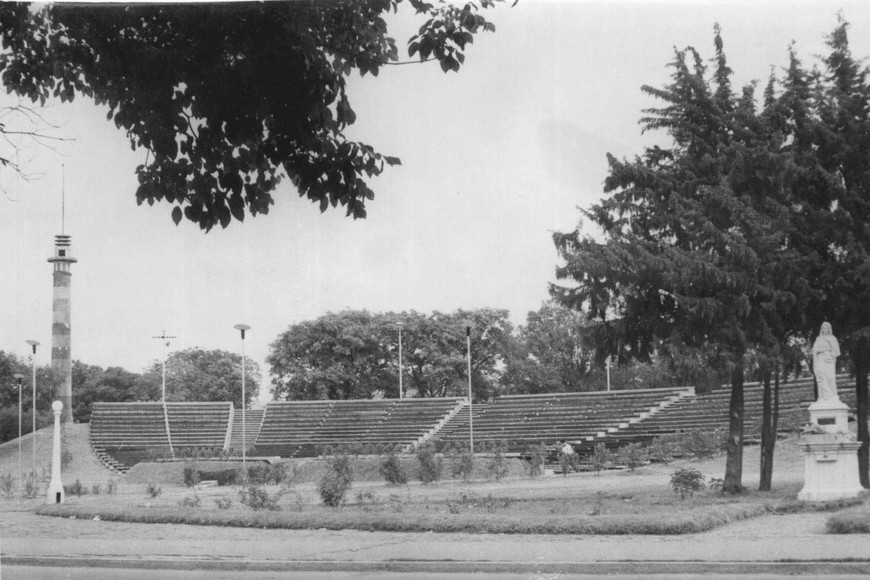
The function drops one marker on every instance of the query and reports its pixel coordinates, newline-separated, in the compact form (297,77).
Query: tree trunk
(768,437)
(860,360)
(734,446)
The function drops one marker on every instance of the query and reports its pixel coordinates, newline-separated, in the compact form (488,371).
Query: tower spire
(62,199)
(61,360)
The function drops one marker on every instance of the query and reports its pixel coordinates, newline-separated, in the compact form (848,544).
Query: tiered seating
(410,420)
(198,425)
(123,434)
(709,411)
(287,426)
(525,420)
(253,421)
(301,428)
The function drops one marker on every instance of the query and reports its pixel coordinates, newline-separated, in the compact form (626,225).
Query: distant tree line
(355,354)
(191,375)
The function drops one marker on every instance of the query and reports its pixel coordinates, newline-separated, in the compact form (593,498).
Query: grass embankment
(850,522)
(656,524)
(582,504)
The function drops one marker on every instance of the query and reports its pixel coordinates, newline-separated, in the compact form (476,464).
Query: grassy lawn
(620,502)
(615,502)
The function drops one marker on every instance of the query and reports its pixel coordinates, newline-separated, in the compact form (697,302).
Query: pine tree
(696,256)
(840,200)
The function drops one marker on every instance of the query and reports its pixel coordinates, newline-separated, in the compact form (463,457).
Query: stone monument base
(830,467)
(830,458)
(832,416)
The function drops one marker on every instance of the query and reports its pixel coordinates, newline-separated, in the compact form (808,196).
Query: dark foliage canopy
(229,98)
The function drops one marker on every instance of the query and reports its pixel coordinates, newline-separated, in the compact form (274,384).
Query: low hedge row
(654,524)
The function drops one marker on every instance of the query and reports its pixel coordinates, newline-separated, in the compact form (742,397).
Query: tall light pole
(399,326)
(20,378)
(607,365)
(33,345)
(468,326)
(242,328)
(164,337)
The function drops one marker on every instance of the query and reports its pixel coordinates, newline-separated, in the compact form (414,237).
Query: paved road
(48,573)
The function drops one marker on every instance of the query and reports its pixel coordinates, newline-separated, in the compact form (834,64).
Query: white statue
(826,349)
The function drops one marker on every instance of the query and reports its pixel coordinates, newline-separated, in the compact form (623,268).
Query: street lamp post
(399,325)
(20,378)
(33,345)
(607,365)
(242,328)
(163,336)
(468,326)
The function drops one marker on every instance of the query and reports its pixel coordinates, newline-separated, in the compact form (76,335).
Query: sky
(494,160)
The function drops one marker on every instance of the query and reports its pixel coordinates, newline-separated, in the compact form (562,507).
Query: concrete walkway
(787,544)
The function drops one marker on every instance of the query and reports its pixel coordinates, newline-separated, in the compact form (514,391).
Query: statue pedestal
(832,415)
(830,458)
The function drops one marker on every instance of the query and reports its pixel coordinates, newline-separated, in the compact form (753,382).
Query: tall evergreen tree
(839,199)
(696,237)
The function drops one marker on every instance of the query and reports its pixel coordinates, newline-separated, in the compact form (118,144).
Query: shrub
(715,484)
(336,481)
(189,501)
(74,489)
(66,459)
(223,477)
(632,455)
(686,482)
(600,458)
(391,469)
(567,461)
(461,462)
(111,487)
(497,466)
(153,490)
(7,484)
(857,522)
(703,444)
(31,486)
(268,473)
(257,498)
(191,475)
(537,455)
(223,503)
(663,448)
(430,464)
(96,489)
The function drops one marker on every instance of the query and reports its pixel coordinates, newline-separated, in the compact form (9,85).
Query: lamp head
(57,406)
(242,328)
(33,343)
(468,324)
(20,378)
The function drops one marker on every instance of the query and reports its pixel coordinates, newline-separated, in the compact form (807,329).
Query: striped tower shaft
(61,361)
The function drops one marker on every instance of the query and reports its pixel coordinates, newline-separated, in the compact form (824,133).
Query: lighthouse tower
(61,363)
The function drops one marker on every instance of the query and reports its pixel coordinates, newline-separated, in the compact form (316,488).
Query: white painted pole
(55,487)
(242,328)
(20,377)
